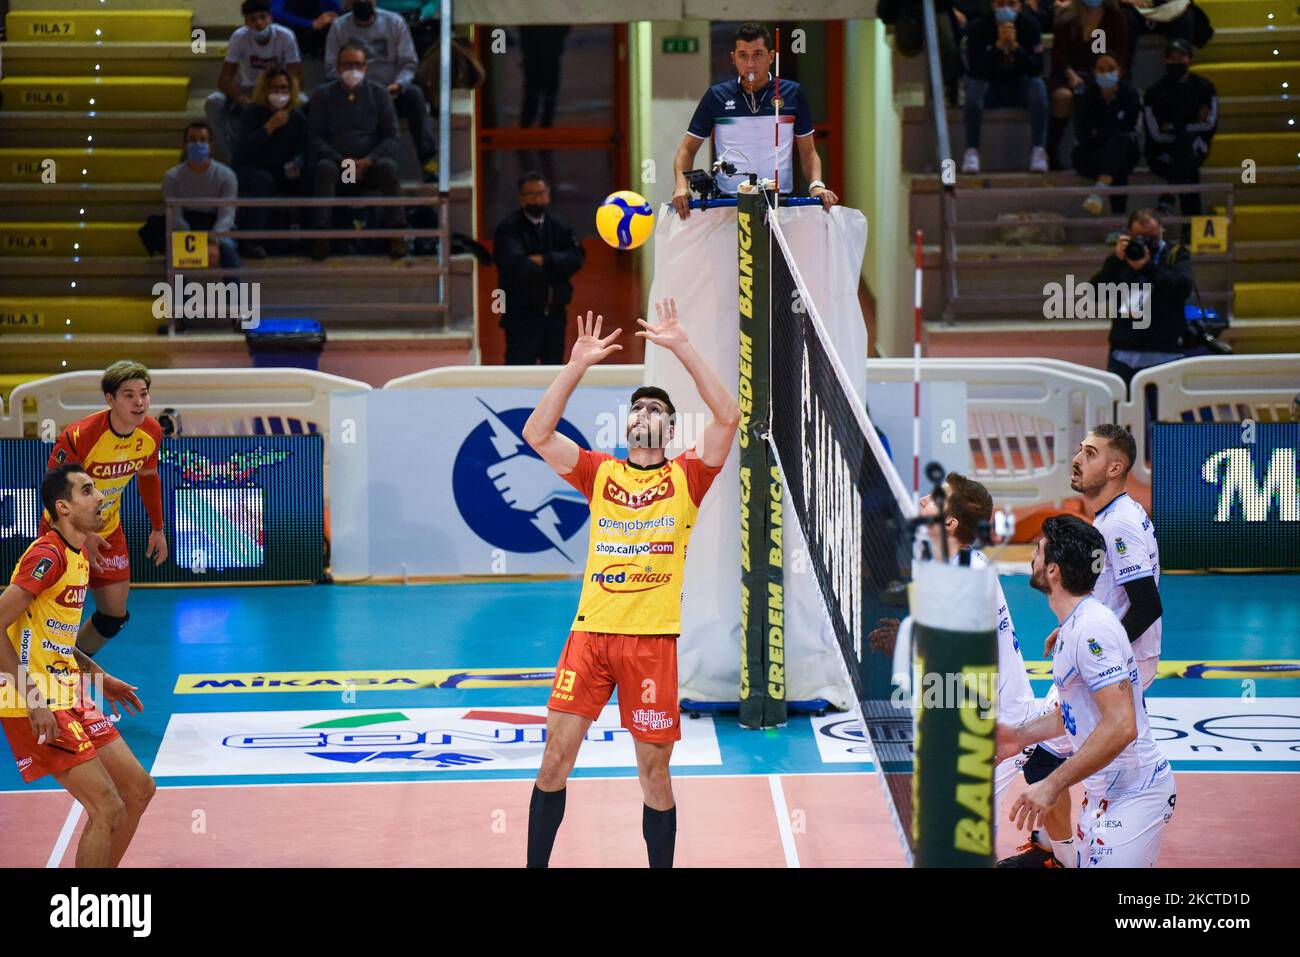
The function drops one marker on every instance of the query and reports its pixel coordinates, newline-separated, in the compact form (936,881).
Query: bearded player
(114,446)
(629,615)
(1129,585)
(45,707)
(1129,789)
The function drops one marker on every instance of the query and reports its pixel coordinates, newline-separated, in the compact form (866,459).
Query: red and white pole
(776,125)
(916,378)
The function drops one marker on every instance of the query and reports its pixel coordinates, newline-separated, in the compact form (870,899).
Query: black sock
(1055,130)
(660,831)
(545,812)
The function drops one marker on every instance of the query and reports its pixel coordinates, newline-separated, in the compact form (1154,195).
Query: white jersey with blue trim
(1016,702)
(1131,553)
(1093,652)
(760,140)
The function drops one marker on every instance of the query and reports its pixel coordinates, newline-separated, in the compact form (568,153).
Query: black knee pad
(1040,764)
(107,625)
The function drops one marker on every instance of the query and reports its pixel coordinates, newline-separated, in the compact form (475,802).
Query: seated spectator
(256,45)
(1145,18)
(1044,12)
(1181,111)
(199,176)
(1005,53)
(309,20)
(352,118)
(272,153)
(392,63)
(1151,328)
(1105,128)
(421,18)
(907,18)
(1074,55)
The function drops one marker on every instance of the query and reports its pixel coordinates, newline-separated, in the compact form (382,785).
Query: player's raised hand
(668,333)
(590,347)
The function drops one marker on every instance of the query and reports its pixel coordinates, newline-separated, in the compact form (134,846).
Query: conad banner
(696,264)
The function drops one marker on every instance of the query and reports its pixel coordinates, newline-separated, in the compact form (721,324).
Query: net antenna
(776,128)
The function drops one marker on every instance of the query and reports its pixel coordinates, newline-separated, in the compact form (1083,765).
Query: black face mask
(535,210)
(363,10)
(1175,71)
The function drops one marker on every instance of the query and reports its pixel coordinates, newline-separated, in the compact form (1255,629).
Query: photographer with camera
(1151,328)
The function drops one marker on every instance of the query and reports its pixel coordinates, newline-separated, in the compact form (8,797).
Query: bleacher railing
(944,161)
(437,266)
(955,301)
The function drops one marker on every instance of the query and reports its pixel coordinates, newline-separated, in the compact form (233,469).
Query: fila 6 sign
(1226,495)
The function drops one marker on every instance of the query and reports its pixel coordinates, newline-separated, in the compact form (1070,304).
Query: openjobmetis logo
(75,909)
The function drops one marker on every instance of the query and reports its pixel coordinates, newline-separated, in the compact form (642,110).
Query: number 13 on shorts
(563,686)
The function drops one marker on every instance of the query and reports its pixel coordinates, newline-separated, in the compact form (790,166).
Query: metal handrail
(947,210)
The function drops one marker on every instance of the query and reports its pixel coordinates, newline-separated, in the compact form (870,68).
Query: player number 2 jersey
(46,632)
(641,520)
(110,459)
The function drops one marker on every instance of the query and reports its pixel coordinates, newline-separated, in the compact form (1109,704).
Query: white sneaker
(970,161)
(1093,204)
(1038,160)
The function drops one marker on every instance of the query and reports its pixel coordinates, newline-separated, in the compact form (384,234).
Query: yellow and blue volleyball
(625,220)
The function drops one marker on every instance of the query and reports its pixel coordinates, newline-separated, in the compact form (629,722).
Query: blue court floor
(300,632)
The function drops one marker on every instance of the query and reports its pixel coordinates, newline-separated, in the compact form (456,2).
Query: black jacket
(988,62)
(270,151)
(1172,112)
(1170,275)
(532,291)
(1095,119)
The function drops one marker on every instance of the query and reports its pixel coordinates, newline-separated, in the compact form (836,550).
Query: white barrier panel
(1025,418)
(209,401)
(439,482)
(516,377)
(1213,389)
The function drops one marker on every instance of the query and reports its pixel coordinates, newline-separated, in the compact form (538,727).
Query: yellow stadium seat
(77,315)
(32,164)
(1260,14)
(1265,298)
(1263,222)
(70,239)
(1265,149)
(99,26)
(100,93)
(1253,79)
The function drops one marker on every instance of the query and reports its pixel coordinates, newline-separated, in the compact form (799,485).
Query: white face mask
(278,101)
(352,78)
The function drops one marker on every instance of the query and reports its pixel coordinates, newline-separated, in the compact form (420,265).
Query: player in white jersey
(967,504)
(1128,586)
(1129,790)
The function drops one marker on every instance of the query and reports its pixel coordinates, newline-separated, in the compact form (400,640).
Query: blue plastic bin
(294,343)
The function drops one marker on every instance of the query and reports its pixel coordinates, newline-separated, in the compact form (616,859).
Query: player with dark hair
(1129,789)
(629,615)
(52,725)
(114,446)
(1128,585)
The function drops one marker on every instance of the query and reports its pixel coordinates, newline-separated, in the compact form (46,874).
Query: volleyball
(625,219)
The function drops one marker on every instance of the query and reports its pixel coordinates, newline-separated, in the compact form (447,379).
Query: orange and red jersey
(45,633)
(112,460)
(641,521)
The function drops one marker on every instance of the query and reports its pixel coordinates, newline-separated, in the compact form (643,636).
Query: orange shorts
(115,561)
(642,667)
(80,731)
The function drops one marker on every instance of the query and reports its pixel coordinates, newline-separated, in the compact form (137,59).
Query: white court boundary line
(65,836)
(783,821)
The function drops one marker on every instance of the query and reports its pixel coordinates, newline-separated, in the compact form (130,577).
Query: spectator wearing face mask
(272,152)
(256,46)
(1005,52)
(390,54)
(1076,44)
(1140,24)
(1181,113)
(309,20)
(1105,127)
(352,118)
(199,176)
